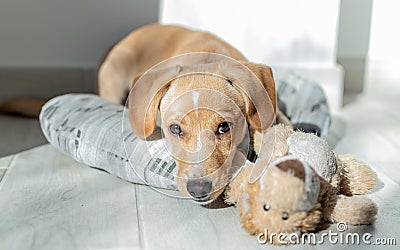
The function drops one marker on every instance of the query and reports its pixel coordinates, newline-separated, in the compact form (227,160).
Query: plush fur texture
(357,176)
(272,201)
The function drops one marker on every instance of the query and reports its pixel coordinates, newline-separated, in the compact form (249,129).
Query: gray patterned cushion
(304,103)
(95,132)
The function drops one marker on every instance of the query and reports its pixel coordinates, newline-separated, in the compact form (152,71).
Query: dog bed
(97,133)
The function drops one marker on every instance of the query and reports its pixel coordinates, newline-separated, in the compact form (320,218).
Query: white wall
(384,52)
(66,33)
(289,35)
(269,31)
(385,34)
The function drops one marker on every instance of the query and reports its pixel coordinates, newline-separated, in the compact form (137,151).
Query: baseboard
(45,83)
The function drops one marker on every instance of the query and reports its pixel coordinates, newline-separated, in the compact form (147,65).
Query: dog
(202,115)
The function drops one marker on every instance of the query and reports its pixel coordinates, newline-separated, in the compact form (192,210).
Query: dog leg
(116,74)
(112,86)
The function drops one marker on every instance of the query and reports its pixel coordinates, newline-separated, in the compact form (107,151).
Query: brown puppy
(202,115)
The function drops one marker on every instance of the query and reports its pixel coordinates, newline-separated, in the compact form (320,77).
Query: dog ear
(261,102)
(145,97)
(149,88)
(264,74)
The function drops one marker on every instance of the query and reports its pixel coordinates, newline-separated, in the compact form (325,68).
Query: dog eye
(224,128)
(267,207)
(175,129)
(285,215)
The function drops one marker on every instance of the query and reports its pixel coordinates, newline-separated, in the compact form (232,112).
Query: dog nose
(199,188)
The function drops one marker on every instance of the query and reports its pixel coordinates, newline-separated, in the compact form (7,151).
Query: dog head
(204,116)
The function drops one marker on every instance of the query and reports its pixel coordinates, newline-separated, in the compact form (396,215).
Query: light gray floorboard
(5,161)
(48,201)
(173,223)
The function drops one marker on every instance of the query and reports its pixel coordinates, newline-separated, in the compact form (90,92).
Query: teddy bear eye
(267,207)
(285,215)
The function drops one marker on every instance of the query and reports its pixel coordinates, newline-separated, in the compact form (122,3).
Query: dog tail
(28,107)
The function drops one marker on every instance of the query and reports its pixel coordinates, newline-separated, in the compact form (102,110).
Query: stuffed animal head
(283,200)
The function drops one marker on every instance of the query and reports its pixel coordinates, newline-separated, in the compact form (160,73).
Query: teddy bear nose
(199,188)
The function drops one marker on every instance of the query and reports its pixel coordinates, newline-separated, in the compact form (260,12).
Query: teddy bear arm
(356,176)
(355,210)
(238,185)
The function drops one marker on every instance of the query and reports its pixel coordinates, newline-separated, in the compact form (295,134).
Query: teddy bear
(302,186)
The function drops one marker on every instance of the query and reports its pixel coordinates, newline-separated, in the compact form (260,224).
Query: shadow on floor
(19,133)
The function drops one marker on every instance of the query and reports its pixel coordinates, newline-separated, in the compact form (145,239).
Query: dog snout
(199,188)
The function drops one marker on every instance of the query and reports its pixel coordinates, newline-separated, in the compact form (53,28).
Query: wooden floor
(48,201)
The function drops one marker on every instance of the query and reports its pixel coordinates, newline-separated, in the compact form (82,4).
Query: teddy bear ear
(312,188)
(304,172)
